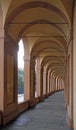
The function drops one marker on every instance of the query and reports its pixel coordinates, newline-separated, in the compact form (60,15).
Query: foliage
(20,81)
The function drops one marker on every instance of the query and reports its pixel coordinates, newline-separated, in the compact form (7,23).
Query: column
(9,86)
(27,79)
(52,83)
(32,77)
(74,68)
(38,77)
(1,72)
(53,80)
(60,84)
(44,80)
(56,84)
(27,73)
(48,82)
(70,81)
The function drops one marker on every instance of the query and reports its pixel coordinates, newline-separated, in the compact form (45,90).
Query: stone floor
(47,115)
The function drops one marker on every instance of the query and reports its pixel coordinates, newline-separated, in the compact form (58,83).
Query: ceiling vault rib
(58,56)
(49,51)
(43,36)
(37,23)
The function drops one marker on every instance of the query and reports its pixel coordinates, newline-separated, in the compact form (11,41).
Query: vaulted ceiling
(45,23)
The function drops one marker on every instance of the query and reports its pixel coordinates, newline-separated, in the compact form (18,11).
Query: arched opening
(20,71)
(36,78)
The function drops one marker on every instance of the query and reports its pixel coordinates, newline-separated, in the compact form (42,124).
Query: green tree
(20,81)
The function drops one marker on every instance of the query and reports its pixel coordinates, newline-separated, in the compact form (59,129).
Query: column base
(70,122)
(9,117)
(23,106)
(37,99)
(48,94)
(42,98)
(0,118)
(32,102)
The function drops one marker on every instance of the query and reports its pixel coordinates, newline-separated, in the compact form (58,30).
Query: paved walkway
(47,115)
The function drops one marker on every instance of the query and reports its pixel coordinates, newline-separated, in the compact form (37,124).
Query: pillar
(1,61)
(1,72)
(65,86)
(56,84)
(74,69)
(38,77)
(60,85)
(27,79)
(48,82)
(27,64)
(41,89)
(70,81)
(32,77)
(44,81)
(29,72)
(52,83)
(9,79)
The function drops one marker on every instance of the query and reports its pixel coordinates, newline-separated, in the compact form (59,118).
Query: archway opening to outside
(20,71)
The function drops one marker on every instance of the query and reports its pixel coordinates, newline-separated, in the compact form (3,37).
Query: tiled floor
(47,115)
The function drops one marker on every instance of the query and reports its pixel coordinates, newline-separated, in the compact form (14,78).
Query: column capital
(70,37)
(44,71)
(26,60)
(44,68)
(38,64)
(38,67)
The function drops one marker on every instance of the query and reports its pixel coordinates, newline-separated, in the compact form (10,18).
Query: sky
(21,55)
